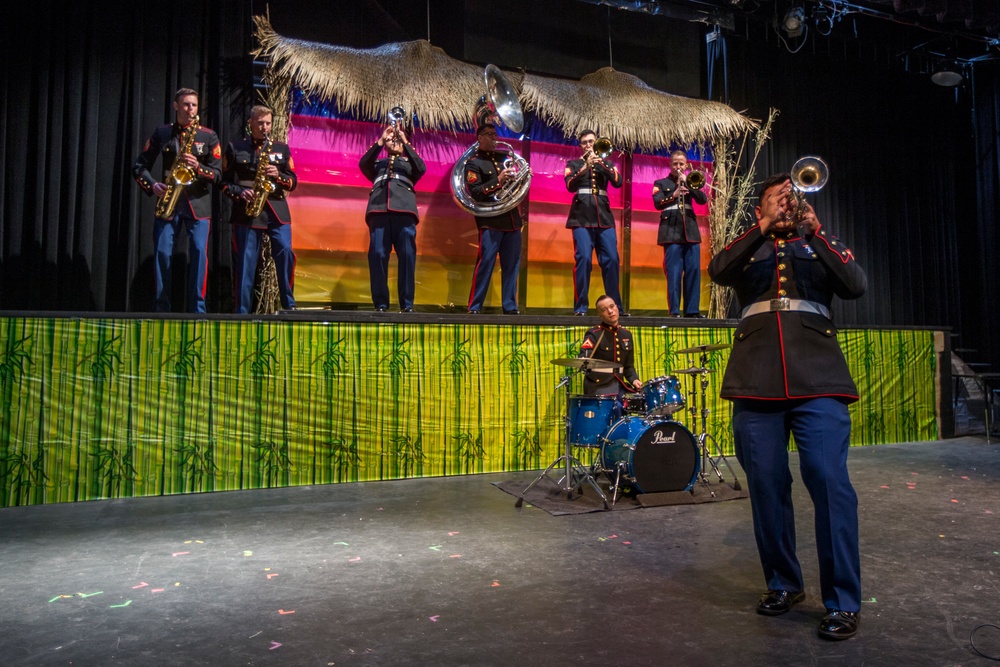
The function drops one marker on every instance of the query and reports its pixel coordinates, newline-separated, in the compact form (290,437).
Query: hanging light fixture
(947,73)
(794,22)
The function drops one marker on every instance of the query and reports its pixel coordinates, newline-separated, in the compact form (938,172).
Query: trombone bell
(603,148)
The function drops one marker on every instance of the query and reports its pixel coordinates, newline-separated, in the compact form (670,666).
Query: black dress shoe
(624,314)
(775,603)
(839,624)
(380,309)
(474,312)
(696,315)
(580,314)
(406,310)
(512,312)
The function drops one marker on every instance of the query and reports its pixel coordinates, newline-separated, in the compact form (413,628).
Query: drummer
(611,342)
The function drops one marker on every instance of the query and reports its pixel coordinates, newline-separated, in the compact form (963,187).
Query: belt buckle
(781,304)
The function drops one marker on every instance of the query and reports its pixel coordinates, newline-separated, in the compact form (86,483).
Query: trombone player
(591,220)
(679,235)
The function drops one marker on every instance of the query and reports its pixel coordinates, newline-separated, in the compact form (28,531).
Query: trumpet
(808,174)
(396,117)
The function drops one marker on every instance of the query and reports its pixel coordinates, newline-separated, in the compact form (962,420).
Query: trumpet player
(191,149)
(592,223)
(258,167)
(787,375)
(392,215)
(679,235)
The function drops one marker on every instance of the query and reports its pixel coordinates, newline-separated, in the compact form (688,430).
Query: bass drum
(652,455)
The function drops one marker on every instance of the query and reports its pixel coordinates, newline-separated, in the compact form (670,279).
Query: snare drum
(663,396)
(652,456)
(590,417)
(634,404)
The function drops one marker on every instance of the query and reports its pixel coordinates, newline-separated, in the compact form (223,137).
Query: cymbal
(704,348)
(693,371)
(585,363)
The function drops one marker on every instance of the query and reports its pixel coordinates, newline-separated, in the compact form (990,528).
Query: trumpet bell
(396,116)
(809,174)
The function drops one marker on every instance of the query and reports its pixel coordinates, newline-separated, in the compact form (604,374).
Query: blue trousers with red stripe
(585,239)
(164,232)
(506,244)
(246,248)
(822,430)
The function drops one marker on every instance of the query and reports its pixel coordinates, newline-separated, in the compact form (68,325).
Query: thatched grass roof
(629,112)
(442,92)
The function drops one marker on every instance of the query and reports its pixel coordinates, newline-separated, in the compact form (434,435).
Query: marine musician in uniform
(609,341)
(592,222)
(258,174)
(787,375)
(191,160)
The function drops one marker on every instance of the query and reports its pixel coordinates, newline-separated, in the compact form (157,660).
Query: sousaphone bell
(498,106)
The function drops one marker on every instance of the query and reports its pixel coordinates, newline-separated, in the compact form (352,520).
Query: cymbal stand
(575,473)
(706,459)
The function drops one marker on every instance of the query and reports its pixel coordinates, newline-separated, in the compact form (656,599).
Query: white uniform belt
(672,207)
(601,370)
(398,177)
(775,305)
(588,191)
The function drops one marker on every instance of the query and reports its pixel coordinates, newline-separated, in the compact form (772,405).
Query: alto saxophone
(181,175)
(262,185)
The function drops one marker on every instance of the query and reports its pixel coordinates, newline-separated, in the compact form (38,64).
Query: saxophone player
(191,161)
(253,168)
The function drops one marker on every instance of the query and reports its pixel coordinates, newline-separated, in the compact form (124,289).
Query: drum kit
(639,444)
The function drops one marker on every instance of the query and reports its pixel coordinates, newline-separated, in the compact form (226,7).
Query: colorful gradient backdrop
(331,240)
(111,408)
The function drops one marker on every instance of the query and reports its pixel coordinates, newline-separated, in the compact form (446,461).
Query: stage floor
(447,572)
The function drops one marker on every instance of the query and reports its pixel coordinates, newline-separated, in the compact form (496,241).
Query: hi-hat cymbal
(697,349)
(692,371)
(585,363)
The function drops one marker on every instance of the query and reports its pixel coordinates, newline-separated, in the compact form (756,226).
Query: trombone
(602,148)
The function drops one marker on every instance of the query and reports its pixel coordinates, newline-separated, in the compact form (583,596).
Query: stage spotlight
(947,73)
(794,22)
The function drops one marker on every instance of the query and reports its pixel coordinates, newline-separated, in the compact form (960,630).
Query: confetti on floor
(124,604)
(434,619)
(274,645)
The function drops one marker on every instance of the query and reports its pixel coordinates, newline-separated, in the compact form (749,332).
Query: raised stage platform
(113,406)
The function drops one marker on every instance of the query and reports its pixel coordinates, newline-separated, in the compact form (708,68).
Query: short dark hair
(770,182)
(679,152)
(479,130)
(584,133)
(602,298)
(184,92)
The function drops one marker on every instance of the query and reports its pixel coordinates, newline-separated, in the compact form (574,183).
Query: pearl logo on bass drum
(660,439)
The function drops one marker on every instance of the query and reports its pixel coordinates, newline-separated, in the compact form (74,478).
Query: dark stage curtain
(84,85)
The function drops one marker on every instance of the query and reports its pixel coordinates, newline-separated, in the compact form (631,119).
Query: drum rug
(547,495)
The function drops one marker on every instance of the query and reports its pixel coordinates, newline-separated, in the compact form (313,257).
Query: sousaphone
(498,106)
